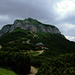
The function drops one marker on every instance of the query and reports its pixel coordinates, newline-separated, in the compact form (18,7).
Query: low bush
(17,61)
(63,64)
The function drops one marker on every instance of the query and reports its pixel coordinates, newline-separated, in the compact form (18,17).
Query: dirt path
(40,52)
(0,46)
(33,71)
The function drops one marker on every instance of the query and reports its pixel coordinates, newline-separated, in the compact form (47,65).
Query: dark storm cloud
(27,8)
(40,9)
(18,8)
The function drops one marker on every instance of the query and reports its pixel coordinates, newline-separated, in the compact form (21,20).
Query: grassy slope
(56,44)
(15,35)
(6,72)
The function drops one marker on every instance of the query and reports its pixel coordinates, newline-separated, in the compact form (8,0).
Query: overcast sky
(60,13)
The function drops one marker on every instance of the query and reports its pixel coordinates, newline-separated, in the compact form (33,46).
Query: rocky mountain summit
(29,24)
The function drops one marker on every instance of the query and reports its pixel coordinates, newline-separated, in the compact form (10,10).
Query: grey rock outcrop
(29,25)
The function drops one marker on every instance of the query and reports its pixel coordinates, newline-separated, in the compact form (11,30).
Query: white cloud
(71,38)
(65,7)
(69,26)
(4,18)
(67,30)
(66,27)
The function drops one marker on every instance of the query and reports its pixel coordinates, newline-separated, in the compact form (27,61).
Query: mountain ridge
(29,24)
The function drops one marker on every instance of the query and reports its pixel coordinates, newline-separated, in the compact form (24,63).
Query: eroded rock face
(5,29)
(29,25)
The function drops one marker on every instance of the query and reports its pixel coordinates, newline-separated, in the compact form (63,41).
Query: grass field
(6,72)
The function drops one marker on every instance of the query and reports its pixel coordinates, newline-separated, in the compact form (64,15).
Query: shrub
(18,62)
(60,65)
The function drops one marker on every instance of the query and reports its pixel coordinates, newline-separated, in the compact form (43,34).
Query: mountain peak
(29,24)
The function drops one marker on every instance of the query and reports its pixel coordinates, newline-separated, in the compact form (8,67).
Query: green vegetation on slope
(17,40)
(55,60)
(17,61)
(56,43)
(15,35)
(61,65)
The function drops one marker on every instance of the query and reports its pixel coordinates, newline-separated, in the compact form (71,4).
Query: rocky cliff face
(29,25)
